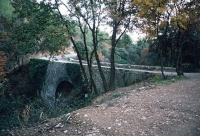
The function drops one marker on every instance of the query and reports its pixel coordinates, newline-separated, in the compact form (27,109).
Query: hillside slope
(163,110)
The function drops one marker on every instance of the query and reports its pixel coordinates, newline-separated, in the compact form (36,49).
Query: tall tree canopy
(37,28)
(160,17)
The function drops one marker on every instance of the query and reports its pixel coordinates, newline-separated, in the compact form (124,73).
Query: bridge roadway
(69,59)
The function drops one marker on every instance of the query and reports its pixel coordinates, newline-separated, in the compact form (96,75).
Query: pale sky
(135,35)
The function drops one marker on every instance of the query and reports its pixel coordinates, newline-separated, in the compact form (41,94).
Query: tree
(125,40)
(120,18)
(185,15)
(121,55)
(36,27)
(90,15)
(160,18)
(155,21)
(85,13)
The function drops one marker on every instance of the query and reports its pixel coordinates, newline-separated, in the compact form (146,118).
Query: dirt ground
(153,110)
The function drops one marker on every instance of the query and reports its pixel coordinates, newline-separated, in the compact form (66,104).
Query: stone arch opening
(63,89)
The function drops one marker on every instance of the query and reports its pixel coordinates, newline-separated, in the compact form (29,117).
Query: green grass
(167,80)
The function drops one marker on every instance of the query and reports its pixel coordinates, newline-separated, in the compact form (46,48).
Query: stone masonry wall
(123,77)
(57,72)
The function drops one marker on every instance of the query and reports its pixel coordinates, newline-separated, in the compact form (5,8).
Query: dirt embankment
(162,110)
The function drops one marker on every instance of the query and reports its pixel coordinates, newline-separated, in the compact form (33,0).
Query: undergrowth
(22,111)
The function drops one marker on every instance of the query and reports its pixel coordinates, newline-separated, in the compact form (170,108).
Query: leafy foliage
(39,28)
(164,20)
(6,9)
(131,53)
(125,40)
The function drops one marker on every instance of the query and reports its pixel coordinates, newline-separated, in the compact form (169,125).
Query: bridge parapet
(129,66)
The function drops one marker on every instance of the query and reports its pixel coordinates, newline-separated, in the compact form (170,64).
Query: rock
(59,125)
(119,124)
(65,131)
(76,114)
(67,115)
(89,135)
(46,124)
(85,115)
(108,128)
(97,106)
(52,131)
(152,86)
(141,88)
(143,118)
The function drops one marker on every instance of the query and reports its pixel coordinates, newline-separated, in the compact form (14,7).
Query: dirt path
(167,110)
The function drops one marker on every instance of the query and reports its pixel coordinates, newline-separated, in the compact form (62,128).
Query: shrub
(188,67)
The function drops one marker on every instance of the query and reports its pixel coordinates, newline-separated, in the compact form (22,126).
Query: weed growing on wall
(38,70)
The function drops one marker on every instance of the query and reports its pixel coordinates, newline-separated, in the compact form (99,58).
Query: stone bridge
(65,78)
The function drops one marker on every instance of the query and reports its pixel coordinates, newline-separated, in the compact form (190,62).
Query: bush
(22,110)
(188,67)
(167,80)
(9,109)
(19,111)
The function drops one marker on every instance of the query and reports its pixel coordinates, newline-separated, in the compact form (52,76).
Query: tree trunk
(92,82)
(89,62)
(92,79)
(95,43)
(94,30)
(179,70)
(112,59)
(179,56)
(171,56)
(112,69)
(101,72)
(81,65)
(161,62)
(161,56)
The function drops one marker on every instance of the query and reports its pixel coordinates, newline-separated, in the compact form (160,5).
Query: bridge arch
(63,89)
(64,79)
